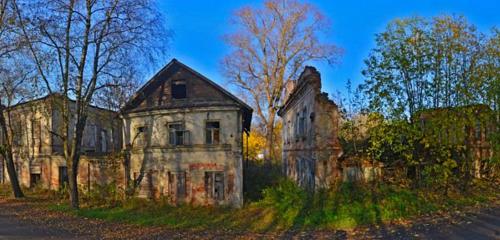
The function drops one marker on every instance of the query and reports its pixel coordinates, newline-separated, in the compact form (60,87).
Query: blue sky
(198,28)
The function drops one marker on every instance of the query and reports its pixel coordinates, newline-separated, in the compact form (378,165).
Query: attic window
(178,89)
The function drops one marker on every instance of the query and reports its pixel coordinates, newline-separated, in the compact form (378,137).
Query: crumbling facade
(38,149)
(184,137)
(311,147)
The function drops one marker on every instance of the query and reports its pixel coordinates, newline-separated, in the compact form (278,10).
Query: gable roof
(169,69)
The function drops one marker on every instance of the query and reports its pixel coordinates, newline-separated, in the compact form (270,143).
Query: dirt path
(13,228)
(29,220)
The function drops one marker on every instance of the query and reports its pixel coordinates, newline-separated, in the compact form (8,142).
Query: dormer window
(179,89)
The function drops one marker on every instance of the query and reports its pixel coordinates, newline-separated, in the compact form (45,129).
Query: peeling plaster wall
(37,151)
(157,157)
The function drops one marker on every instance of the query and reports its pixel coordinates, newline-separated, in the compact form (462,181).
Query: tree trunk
(73,162)
(269,149)
(73,183)
(9,160)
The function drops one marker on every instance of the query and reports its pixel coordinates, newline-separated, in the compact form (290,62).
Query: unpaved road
(27,220)
(13,228)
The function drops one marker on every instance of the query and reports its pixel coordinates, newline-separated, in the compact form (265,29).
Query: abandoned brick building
(311,147)
(469,126)
(184,136)
(38,152)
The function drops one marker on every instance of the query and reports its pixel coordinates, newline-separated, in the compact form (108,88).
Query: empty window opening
(141,129)
(178,89)
(63,176)
(214,185)
(177,134)
(212,132)
(140,136)
(35,179)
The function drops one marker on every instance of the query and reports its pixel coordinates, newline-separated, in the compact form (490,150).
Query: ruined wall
(310,131)
(154,156)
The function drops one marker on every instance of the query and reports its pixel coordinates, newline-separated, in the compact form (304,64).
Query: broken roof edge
(301,82)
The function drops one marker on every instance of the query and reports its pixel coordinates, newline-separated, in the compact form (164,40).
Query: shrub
(286,199)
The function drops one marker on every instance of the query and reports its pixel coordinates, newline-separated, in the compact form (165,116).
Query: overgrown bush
(104,195)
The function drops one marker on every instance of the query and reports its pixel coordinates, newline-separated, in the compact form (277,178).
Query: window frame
(179,185)
(215,189)
(173,134)
(212,131)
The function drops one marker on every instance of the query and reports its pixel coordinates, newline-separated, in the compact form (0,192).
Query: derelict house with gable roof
(184,138)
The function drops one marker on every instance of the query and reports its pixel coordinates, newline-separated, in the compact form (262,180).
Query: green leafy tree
(442,63)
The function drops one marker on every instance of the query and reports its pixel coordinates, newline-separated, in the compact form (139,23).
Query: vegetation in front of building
(281,207)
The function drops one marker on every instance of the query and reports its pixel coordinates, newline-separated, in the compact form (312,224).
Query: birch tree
(270,47)
(82,47)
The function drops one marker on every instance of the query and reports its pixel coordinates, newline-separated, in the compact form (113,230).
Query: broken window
(63,176)
(140,136)
(177,135)
(35,174)
(34,179)
(177,184)
(141,129)
(212,132)
(214,185)
(178,89)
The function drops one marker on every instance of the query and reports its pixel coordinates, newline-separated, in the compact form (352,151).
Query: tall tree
(444,63)
(83,47)
(269,48)
(10,45)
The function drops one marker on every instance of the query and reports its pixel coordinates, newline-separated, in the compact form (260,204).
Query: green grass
(281,207)
(287,206)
